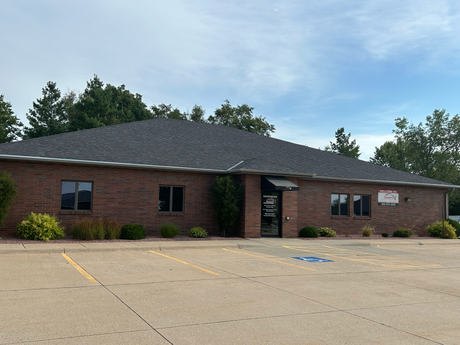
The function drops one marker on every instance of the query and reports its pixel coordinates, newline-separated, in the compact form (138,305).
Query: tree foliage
(107,105)
(241,117)
(163,111)
(8,192)
(431,149)
(10,126)
(343,146)
(227,196)
(48,115)
(104,105)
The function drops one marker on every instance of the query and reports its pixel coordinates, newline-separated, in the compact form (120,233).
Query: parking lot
(261,291)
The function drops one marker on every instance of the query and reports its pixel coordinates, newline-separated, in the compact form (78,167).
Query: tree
(107,105)
(48,115)
(343,146)
(227,197)
(10,126)
(164,111)
(8,192)
(197,114)
(431,150)
(241,117)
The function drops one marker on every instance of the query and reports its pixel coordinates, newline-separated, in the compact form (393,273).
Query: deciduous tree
(241,117)
(431,149)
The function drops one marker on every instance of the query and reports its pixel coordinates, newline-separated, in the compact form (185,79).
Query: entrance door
(271,215)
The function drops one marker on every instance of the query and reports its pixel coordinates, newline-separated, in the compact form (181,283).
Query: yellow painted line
(400,263)
(185,263)
(79,269)
(261,257)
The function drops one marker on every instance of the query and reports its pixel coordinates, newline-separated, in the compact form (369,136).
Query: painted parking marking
(311,259)
(368,258)
(185,263)
(261,257)
(79,269)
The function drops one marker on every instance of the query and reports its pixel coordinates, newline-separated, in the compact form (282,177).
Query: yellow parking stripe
(79,269)
(185,263)
(372,259)
(261,257)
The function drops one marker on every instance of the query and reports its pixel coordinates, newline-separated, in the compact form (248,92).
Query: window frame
(171,199)
(361,205)
(339,204)
(75,206)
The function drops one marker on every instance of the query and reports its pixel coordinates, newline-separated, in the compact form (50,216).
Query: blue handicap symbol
(311,259)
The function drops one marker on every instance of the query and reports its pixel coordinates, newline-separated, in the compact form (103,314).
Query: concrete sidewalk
(86,246)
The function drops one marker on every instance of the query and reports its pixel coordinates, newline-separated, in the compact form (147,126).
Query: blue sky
(309,67)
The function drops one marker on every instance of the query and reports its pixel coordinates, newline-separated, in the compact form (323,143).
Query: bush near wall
(456,225)
(132,231)
(441,230)
(169,230)
(198,232)
(96,229)
(42,227)
(402,232)
(309,232)
(327,232)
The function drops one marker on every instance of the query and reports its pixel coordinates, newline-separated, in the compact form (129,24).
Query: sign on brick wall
(388,197)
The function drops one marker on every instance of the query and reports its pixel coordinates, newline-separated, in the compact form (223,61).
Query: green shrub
(112,229)
(38,226)
(456,226)
(197,232)
(327,232)
(308,231)
(227,197)
(8,192)
(402,232)
(96,229)
(169,230)
(132,231)
(436,230)
(367,230)
(384,234)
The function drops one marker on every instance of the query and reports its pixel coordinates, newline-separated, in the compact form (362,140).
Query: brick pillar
(289,227)
(250,215)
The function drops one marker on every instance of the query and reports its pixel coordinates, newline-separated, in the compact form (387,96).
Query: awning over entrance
(277,183)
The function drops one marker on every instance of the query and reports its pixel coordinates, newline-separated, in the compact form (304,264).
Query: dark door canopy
(277,183)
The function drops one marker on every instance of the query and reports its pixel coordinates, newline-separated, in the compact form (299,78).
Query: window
(76,196)
(339,204)
(362,205)
(171,199)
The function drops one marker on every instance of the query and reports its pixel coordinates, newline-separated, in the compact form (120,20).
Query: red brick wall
(131,195)
(127,195)
(425,207)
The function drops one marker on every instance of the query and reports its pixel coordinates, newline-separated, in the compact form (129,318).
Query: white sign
(388,197)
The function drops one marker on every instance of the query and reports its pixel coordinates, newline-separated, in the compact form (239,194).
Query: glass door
(271,223)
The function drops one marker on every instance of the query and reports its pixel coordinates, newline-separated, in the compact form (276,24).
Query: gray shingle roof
(202,147)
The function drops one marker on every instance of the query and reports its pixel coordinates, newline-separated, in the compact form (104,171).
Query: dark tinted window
(339,204)
(171,199)
(76,195)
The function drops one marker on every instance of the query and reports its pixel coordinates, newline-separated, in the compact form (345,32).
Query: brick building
(161,170)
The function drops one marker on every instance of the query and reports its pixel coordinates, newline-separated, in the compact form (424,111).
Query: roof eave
(111,164)
(400,183)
